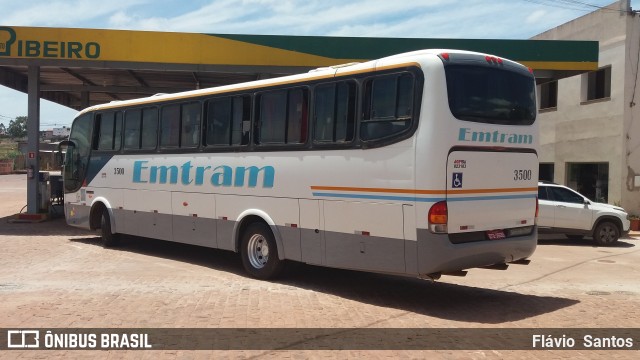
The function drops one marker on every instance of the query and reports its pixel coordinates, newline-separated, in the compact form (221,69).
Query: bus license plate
(495,234)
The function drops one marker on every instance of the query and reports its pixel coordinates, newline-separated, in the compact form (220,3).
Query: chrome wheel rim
(258,251)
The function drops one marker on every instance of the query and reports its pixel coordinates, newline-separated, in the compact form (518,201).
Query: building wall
(631,153)
(63,131)
(595,131)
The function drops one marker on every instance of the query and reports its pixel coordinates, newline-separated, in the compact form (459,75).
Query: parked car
(565,211)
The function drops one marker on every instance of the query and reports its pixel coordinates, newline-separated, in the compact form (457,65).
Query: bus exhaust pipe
(501,266)
(461,273)
(430,277)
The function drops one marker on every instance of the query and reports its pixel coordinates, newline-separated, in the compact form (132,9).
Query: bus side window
(149,128)
(132,129)
(334,112)
(190,126)
(241,120)
(228,121)
(273,117)
(388,106)
(324,101)
(109,131)
(117,137)
(283,117)
(170,126)
(297,117)
(218,112)
(141,129)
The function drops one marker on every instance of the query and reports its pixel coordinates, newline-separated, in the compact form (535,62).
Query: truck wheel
(606,233)
(108,239)
(259,252)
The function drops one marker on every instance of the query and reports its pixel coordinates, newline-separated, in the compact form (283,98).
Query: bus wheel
(259,252)
(108,239)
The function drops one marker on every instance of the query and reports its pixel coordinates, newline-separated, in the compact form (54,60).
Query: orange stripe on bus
(429,192)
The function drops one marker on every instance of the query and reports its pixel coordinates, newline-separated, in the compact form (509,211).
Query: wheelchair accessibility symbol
(456,180)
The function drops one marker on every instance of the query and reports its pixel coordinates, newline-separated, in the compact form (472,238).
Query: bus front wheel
(259,252)
(108,239)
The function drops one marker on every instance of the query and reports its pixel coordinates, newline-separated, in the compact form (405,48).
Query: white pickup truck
(565,211)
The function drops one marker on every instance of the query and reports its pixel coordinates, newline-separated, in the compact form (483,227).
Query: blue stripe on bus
(421,199)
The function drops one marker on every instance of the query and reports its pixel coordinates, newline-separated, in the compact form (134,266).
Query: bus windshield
(490,95)
(77,156)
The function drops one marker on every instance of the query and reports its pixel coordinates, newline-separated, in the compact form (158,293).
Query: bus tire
(259,252)
(108,239)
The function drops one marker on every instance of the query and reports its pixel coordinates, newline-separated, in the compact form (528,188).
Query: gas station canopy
(83,67)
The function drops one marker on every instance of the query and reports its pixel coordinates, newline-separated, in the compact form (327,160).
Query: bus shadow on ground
(436,299)
(439,300)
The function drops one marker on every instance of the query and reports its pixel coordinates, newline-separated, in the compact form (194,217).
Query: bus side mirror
(65,149)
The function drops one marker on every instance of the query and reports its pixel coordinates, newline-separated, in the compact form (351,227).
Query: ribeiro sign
(11,46)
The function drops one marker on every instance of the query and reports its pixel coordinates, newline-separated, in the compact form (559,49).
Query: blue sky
(470,19)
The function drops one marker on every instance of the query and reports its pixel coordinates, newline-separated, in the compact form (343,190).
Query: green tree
(3,129)
(18,127)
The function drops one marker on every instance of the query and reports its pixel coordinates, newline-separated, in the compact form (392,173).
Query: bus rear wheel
(259,252)
(108,239)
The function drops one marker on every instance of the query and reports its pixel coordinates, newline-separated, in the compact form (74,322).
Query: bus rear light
(493,60)
(438,217)
(445,56)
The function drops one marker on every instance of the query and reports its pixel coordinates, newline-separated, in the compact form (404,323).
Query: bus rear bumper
(437,254)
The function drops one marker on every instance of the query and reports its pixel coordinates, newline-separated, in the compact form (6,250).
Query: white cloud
(78,13)
(536,16)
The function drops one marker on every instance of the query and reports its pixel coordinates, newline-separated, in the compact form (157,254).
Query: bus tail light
(438,217)
(493,60)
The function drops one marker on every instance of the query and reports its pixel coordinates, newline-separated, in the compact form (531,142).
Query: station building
(590,123)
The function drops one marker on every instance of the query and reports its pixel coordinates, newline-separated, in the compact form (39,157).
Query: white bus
(419,164)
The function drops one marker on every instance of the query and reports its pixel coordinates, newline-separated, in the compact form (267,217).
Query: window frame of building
(596,85)
(546,169)
(548,96)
